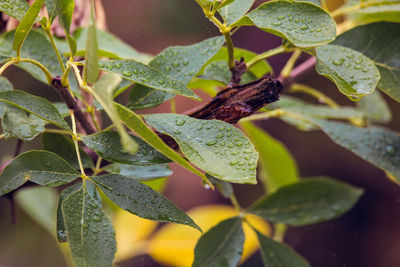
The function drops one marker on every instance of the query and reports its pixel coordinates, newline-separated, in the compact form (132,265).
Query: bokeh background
(366,236)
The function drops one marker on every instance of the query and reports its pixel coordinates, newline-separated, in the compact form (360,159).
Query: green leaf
(51,9)
(278,167)
(90,233)
(301,23)
(108,145)
(16,123)
(225,188)
(378,146)
(306,202)
(222,245)
(140,172)
(36,105)
(275,254)
(296,105)
(5,85)
(15,8)
(104,93)
(61,231)
(136,124)
(37,47)
(375,108)
(141,200)
(26,24)
(39,203)
(380,10)
(235,10)
(206,4)
(179,62)
(380,43)
(65,10)
(146,75)
(354,74)
(65,148)
(41,167)
(214,146)
(91,67)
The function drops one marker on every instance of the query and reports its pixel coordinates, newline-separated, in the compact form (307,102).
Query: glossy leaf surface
(306,202)
(235,10)
(65,148)
(108,145)
(41,167)
(354,74)
(146,75)
(90,233)
(215,146)
(379,42)
(378,146)
(275,254)
(35,105)
(222,245)
(179,62)
(301,23)
(140,172)
(16,8)
(141,200)
(136,124)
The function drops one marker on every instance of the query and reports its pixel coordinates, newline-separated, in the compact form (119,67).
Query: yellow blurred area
(174,244)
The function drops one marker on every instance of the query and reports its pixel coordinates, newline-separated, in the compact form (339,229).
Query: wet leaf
(184,239)
(91,67)
(222,245)
(301,23)
(354,74)
(215,146)
(65,10)
(36,105)
(90,233)
(306,202)
(148,76)
(140,172)
(61,231)
(104,94)
(65,148)
(179,62)
(141,200)
(41,167)
(17,123)
(25,25)
(377,145)
(375,108)
(278,167)
(380,43)
(235,10)
(275,254)
(108,145)
(16,8)
(136,124)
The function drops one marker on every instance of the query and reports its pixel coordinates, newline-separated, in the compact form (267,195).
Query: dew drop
(390,150)
(338,62)
(277,23)
(161,81)
(234,162)
(304,27)
(127,73)
(180,122)
(185,61)
(211,143)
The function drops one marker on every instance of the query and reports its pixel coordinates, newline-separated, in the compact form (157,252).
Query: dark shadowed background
(366,236)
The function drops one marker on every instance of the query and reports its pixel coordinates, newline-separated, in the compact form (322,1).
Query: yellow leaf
(132,233)
(174,244)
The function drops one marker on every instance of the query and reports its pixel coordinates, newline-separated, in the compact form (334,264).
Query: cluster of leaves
(357,61)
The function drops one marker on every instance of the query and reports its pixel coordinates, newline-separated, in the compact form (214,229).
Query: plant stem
(173,105)
(280,230)
(313,92)
(287,69)
(38,64)
(53,44)
(57,131)
(75,138)
(2,136)
(265,55)
(97,169)
(266,115)
(235,202)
